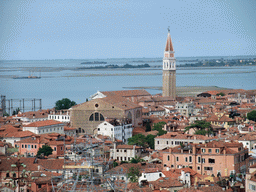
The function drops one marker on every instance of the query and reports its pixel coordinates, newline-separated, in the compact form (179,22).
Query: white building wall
(59,128)
(61,118)
(150,176)
(122,132)
(164,143)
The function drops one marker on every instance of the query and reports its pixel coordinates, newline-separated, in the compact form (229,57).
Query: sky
(98,29)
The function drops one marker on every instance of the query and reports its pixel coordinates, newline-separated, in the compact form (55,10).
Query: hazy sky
(84,29)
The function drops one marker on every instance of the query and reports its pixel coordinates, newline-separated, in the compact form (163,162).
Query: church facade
(169,69)
(86,117)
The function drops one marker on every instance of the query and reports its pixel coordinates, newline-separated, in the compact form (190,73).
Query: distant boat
(28,77)
(94,62)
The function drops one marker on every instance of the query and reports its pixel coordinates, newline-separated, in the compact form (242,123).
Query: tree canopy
(139,140)
(159,127)
(202,126)
(133,174)
(251,115)
(64,103)
(220,94)
(46,150)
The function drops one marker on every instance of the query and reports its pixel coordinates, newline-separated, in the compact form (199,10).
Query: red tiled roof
(43,123)
(20,134)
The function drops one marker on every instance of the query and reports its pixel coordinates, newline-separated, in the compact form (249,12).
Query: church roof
(169,46)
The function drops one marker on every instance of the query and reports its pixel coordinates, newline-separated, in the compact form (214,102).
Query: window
(208,168)
(168,158)
(91,117)
(117,150)
(98,129)
(61,148)
(14,175)
(125,150)
(29,146)
(96,116)
(198,168)
(35,146)
(137,114)
(32,146)
(157,142)
(186,159)
(55,149)
(160,174)
(167,142)
(22,146)
(211,160)
(25,146)
(177,158)
(209,150)
(199,159)
(203,160)
(203,150)
(172,166)
(217,150)
(190,159)
(7,175)
(252,187)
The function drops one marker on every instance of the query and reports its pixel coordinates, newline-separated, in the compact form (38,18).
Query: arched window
(137,114)
(96,117)
(129,115)
(101,117)
(7,175)
(91,117)
(168,158)
(79,130)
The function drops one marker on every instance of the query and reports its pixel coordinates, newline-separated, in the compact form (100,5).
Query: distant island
(94,62)
(221,63)
(126,66)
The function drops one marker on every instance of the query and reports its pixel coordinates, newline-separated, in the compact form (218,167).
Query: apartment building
(174,139)
(125,152)
(116,130)
(213,158)
(43,127)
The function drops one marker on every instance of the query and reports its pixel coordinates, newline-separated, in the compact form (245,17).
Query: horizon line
(124,58)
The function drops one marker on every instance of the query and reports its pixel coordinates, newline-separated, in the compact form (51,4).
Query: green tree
(251,115)
(16,111)
(151,141)
(133,174)
(202,126)
(64,103)
(136,160)
(138,139)
(159,127)
(220,94)
(6,114)
(148,127)
(115,164)
(46,150)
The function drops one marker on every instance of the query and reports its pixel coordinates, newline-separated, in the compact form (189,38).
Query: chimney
(194,149)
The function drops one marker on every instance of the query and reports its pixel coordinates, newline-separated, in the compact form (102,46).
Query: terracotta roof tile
(43,123)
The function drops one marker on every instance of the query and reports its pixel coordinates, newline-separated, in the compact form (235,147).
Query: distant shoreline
(185,90)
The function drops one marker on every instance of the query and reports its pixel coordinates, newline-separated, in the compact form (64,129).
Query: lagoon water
(62,78)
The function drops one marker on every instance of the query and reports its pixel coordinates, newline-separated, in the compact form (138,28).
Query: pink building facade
(214,158)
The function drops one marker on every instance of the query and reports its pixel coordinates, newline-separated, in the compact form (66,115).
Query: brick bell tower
(169,69)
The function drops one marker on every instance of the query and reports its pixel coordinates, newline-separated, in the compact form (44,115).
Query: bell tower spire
(169,69)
